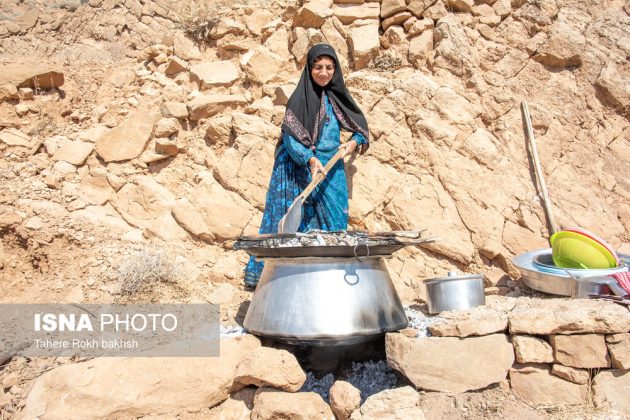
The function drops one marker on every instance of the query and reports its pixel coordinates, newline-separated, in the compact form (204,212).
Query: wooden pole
(539,172)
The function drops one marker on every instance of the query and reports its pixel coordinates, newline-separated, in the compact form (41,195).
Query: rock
(175,65)
(185,48)
(92,134)
(421,48)
(619,348)
(537,386)
(461,5)
(580,350)
(204,106)
(9,219)
(222,294)
(8,93)
(312,15)
(64,168)
(13,137)
(127,140)
(251,124)
(189,218)
(577,376)
(349,13)
(482,320)
(397,19)
(272,404)
(225,213)
(210,74)
(417,7)
(613,86)
(391,7)
(532,349)
(566,43)
(258,20)
(146,204)
(482,10)
(420,26)
(237,407)
(174,110)
(166,127)
(75,152)
(219,129)
(35,77)
(610,390)
(344,399)
(282,94)
(267,366)
(25,93)
(34,223)
(194,383)
(21,110)
(502,8)
(364,44)
(399,403)
(448,364)
(553,316)
(164,146)
(436,12)
(263,66)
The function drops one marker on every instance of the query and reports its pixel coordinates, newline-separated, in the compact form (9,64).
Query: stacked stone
(565,351)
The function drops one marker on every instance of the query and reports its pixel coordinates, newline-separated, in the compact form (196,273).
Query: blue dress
(327,206)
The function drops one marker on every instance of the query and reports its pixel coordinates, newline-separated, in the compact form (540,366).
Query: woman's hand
(350,147)
(316,167)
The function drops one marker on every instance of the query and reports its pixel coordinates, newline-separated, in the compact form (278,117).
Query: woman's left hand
(350,147)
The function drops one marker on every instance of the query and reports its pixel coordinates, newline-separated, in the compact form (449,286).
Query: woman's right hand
(316,167)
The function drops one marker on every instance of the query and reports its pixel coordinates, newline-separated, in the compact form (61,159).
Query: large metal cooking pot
(454,292)
(324,301)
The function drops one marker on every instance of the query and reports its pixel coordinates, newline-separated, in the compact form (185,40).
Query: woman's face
(322,70)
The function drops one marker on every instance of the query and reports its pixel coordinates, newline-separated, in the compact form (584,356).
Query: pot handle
(363,258)
(616,289)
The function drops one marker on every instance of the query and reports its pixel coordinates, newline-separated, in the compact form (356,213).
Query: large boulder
(554,316)
(399,403)
(267,366)
(137,386)
(127,140)
(449,364)
(35,77)
(537,386)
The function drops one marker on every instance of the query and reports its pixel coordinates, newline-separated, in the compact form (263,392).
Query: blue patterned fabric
(327,206)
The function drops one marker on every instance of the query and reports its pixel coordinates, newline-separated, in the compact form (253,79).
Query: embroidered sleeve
(358,137)
(298,152)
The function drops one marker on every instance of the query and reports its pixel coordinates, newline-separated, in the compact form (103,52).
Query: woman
(318,108)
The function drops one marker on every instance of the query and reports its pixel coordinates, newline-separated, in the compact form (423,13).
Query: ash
(320,386)
(231,331)
(372,377)
(368,377)
(421,322)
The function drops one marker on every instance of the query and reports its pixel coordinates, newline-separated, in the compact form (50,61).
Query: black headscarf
(305,109)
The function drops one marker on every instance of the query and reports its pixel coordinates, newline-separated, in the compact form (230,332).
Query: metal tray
(359,251)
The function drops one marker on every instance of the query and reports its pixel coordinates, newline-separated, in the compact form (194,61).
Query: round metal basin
(539,273)
(324,301)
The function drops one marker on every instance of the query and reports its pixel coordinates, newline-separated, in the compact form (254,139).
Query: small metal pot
(454,292)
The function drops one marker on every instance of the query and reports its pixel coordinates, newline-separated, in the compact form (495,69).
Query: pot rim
(453,278)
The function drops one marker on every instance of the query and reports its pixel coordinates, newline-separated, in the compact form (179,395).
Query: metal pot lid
(453,275)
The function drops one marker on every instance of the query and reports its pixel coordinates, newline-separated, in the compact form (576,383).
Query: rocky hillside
(137,136)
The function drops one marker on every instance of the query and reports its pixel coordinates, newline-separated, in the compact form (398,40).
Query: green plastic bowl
(573,250)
